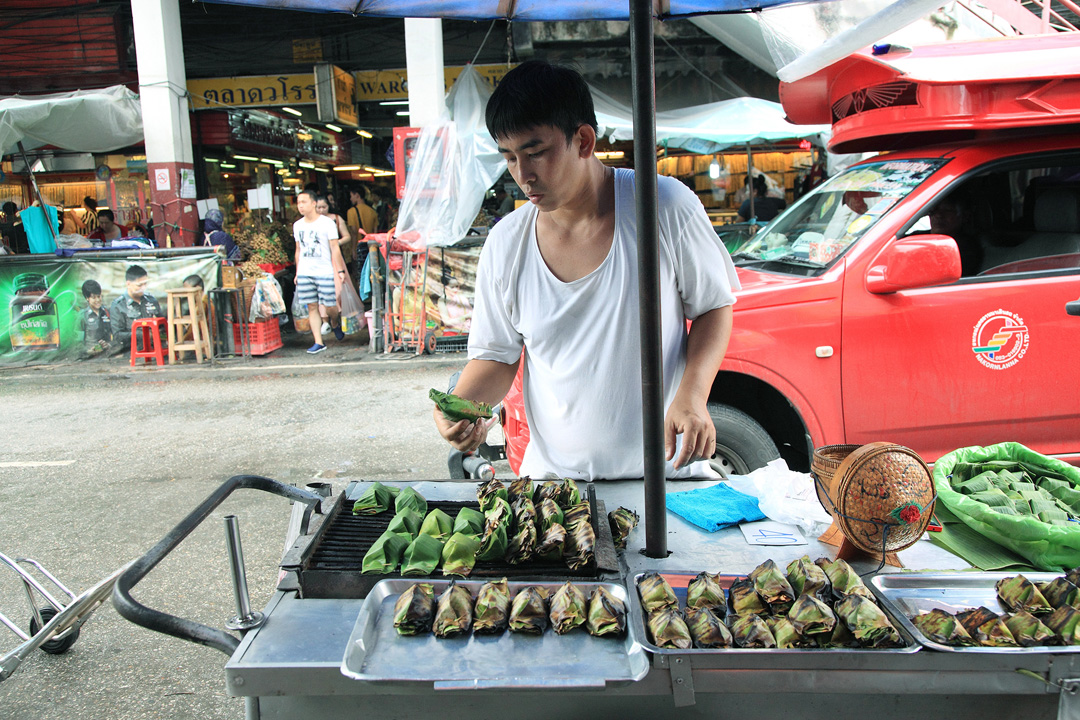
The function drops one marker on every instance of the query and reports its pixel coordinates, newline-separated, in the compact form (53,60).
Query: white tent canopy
(709,128)
(83,120)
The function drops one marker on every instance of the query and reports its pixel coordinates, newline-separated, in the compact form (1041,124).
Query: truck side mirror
(914,262)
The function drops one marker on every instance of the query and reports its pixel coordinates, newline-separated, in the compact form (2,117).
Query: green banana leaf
(376,499)
(406,522)
(438,525)
(412,500)
(469,522)
(459,554)
(385,553)
(422,556)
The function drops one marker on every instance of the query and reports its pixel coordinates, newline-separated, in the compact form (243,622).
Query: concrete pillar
(159,51)
(424,63)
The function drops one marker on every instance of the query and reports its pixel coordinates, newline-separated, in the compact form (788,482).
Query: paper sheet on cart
(769,532)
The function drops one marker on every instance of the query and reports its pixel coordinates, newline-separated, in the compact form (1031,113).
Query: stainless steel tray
(678,582)
(908,594)
(376,652)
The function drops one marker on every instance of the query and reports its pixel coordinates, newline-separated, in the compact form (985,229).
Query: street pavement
(98,461)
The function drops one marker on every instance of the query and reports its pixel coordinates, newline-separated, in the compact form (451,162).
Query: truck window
(814,232)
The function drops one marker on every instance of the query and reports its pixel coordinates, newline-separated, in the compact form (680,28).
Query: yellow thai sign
(372,85)
(252,91)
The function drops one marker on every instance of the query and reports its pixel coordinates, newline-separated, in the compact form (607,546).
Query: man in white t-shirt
(557,278)
(318,258)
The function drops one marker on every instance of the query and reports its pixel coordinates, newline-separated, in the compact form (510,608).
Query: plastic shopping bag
(349,300)
(785,496)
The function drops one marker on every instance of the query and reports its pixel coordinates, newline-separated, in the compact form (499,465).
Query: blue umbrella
(640,13)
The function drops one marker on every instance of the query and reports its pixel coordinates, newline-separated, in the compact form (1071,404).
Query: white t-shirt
(313,241)
(582,379)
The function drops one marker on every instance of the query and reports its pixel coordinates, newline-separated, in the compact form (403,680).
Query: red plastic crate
(265,336)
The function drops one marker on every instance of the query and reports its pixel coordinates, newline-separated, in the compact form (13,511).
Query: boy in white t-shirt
(557,279)
(318,258)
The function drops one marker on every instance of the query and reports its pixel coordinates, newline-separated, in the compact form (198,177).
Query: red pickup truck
(928,296)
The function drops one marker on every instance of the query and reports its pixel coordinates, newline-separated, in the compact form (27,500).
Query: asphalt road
(98,463)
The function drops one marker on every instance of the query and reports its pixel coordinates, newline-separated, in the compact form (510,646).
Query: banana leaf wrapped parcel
(810,616)
(1065,622)
(547,490)
(986,627)
(552,544)
(845,581)
(438,525)
(406,522)
(867,622)
(524,512)
(622,521)
(569,495)
(704,591)
(469,522)
(1060,591)
(750,631)
(519,488)
(491,614)
(414,611)
(384,554)
(656,593)
(743,599)
(529,611)
(840,637)
(706,629)
(568,608)
(459,554)
(807,578)
(1028,630)
(453,614)
(456,408)
(785,634)
(580,537)
(1018,593)
(549,514)
(522,546)
(493,542)
(773,587)
(941,627)
(499,513)
(422,556)
(607,613)
(668,629)
(486,493)
(409,499)
(375,499)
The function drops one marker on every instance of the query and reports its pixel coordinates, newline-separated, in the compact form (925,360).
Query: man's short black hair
(310,193)
(537,93)
(135,272)
(91,287)
(106,213)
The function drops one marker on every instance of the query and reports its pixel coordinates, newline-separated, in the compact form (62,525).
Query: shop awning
(83,120)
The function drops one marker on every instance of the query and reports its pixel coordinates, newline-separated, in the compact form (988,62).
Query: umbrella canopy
(83,120)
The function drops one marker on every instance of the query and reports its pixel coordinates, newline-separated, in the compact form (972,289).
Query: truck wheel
(742,444)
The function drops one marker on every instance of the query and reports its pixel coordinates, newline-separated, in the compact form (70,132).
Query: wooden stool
(180,322)
(150,331)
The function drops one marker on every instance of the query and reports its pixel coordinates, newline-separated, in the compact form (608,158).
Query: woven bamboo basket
(872,486)
(823,466)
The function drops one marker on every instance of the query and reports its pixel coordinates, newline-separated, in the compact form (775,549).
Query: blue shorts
(321,290)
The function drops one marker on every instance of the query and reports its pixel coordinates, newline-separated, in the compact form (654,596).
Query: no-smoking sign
(161,179)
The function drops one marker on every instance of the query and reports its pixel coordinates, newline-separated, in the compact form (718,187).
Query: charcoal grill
(327,562)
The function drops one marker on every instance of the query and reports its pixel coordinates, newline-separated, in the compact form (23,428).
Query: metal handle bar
(179,627)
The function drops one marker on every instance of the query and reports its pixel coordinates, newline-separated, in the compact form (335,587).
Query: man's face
(546,169)
(106,224)
(94,301)
(354,197)
(322,207)
(137,287)
(304,204)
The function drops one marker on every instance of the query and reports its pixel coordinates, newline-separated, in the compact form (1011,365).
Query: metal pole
(652,371)
(37,191)
(750,176)
(245,619)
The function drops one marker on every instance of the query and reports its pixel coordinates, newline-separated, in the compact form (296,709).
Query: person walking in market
(318,259)
(557,278)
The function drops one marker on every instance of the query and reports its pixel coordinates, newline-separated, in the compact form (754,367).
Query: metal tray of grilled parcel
(376,652)
(905,595)
(679,581)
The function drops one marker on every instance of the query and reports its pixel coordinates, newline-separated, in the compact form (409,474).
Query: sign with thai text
(252,91)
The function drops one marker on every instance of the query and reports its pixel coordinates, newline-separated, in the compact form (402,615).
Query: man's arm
(688,414)
(485,381)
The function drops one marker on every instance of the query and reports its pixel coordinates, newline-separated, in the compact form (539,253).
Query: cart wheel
(429,343)
(53,647)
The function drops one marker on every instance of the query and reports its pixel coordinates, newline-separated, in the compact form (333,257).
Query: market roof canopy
(520,10)
(710,128)
(83,120)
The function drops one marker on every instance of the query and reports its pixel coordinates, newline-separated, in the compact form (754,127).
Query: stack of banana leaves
(495,609)
(822,604)
(1018,488)
(1031,614)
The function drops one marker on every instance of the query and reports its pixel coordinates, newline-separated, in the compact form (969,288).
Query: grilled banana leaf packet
(809,579)
(406,522)
(656,593)
(469,522)
(706,629)
(569,495)
(704,591)
(607,613)
(809,616)
(376,499)
(1060,591)
(1028,630)
(986,627)
(438,525)
(459,554)
(580,536)
(529,611)
(773,587)
(453,614)
(491,614)
(549,514)
(941,627)
(743,599)
(785,634)
(1065,622)
(840,637)
(456,408)
(845,581)
(522,546)
(668,629)
(547,490)
(1018,593)
(414,610)
(499,513)
(422,556)
(519,488)
(750,631)
(622,521)
(493,543)
(385,553)
(569,608)
(524,512)
(486,493)
(552,545)
(409,499)
(867,622)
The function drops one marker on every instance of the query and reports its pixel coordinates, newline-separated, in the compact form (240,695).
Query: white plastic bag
(785,496)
